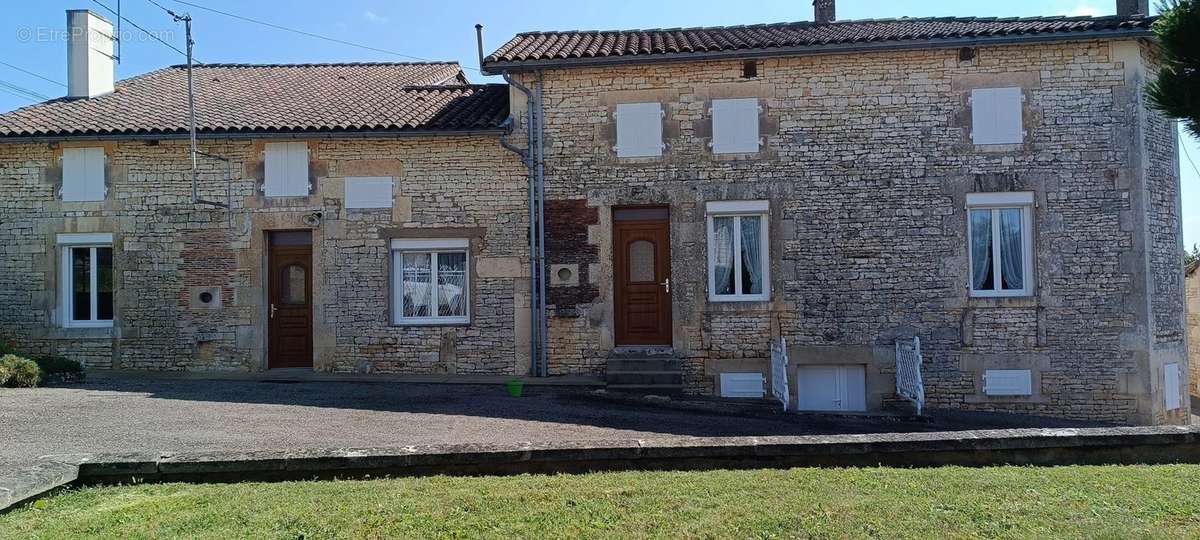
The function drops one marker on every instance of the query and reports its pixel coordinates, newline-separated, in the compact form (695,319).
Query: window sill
(1027,300)
(431,323)
(81,332)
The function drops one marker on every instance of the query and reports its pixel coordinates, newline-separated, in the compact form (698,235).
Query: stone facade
(168,250)
(1192,282)
(867,161)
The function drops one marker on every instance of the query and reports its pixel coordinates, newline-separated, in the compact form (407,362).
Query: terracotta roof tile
(579,44)
(241,98)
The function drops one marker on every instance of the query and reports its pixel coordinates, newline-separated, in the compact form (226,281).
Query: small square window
(639,130)
(735,126)
(430,282)
(997,116)
(83,174)
(1000,243)
(738,263)
(285,169)
(86,280)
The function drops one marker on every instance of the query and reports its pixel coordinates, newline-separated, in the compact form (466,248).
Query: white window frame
(433,247)
(738,209)
(631,116)
(67,242)
(285,169)
(727,117)
(995,202)
(83,175)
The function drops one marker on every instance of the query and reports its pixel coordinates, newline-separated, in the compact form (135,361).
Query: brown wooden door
(290,300)
(642,259)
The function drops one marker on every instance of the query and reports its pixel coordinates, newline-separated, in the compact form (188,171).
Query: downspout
(541,206)
(527,157)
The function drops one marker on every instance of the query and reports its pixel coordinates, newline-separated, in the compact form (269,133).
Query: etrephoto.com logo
(45,34)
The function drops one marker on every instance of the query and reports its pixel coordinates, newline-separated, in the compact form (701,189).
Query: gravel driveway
(115,415)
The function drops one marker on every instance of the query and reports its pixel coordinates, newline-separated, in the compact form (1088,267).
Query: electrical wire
(147,32)
(1183,144)
(305,33)
(22,96)
(27,72)
(24,90)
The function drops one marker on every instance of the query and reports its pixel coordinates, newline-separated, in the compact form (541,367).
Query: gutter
(369,134)
(494,68)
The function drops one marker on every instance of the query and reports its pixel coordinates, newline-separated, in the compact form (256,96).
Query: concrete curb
(1092,446)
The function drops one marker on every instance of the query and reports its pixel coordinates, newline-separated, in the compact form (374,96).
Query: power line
(22,96)
(305,33)
(24,90)
(27,72)
(147,32)
(1183,144)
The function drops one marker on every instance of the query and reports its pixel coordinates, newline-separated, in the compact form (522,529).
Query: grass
(1005,502)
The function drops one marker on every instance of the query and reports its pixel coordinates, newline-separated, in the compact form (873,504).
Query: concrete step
(647,389)
(645,364)
(674,378)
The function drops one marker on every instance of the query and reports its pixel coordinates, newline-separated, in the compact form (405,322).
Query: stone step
(647,389)
(674,378)
(642,352)
(645,364)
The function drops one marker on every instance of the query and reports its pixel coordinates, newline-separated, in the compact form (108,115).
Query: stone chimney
(90,67)
(1129,8)
(825,12)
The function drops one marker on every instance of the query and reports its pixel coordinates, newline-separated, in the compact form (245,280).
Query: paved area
(121,415)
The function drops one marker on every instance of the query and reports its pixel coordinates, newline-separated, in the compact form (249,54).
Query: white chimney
(89,54)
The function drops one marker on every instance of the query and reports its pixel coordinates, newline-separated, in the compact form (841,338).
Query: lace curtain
(752,271)
(723,258)
(1012,267)
(981,249)
(452,284)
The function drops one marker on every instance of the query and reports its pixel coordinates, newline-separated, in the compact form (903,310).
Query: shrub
(19,372)
(57,364)
(7,347)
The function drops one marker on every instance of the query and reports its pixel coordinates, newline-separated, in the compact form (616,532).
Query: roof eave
(362,134)
(496,68)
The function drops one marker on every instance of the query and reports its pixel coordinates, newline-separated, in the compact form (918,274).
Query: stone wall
(168,250)
(867,160)
(1193,324)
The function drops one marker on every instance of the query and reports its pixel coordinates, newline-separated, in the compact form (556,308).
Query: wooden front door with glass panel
(642,263)
(289,296)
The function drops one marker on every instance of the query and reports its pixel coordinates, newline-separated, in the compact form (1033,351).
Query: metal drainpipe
(543,364)
(528,157)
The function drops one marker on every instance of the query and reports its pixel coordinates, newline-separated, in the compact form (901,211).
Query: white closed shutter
(735,126)
(832,388)
(286,169)
(1171,394)
(742,385)
(1008,382)
(639,130)
(83,174)
(369,192)
(997,116)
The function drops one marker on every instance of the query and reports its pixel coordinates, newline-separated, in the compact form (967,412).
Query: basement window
(999,229)
(639,130)
(285,170)
(86,280)
(83,174)
(430,281)
(735,126)
(738,266)
(997,116)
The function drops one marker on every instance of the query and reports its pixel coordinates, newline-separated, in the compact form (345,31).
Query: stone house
(658,207)
(1192,284)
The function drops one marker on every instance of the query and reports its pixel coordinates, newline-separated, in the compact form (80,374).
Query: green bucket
(515,387)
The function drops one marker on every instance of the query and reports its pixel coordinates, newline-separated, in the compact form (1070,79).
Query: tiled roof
(567,45)
(240,98)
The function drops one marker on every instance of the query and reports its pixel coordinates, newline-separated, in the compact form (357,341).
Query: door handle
(273,308)
(667,284)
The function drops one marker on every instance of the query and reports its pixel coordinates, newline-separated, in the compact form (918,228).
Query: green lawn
(1092,502)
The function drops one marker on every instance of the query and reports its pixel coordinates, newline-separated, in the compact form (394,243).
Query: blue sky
(441,30)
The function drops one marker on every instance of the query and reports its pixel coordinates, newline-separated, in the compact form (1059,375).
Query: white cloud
(1083,10)
(374,17)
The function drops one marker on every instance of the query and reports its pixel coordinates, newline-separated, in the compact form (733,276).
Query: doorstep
(304,375)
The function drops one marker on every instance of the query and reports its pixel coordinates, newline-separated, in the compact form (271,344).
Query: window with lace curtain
(430,281)
(738,263)
(999,232)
